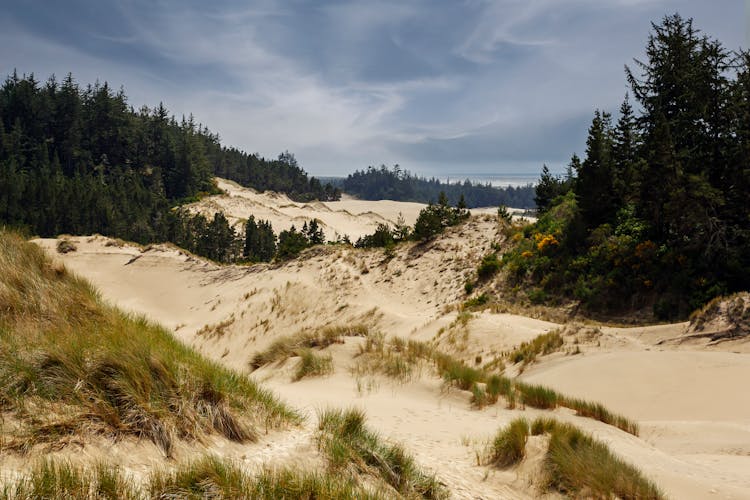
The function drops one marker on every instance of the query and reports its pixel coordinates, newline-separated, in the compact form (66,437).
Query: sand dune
(348,217)
(690,401)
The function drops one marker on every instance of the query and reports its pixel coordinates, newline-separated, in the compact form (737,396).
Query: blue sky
(437,86)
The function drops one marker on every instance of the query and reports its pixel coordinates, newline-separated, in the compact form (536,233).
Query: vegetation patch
(70,365)
(349,445)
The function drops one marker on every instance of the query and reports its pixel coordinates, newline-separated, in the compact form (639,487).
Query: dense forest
(400,185)
(81,160)
(656,213)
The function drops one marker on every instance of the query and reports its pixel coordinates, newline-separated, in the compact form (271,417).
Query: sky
(445,87)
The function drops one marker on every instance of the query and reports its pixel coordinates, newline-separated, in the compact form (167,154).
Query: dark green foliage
(260,241)
(215,238)
(313,233)
(434,218)
(489,266)
(397,184)
(659,216)
(82,161)
(291,243)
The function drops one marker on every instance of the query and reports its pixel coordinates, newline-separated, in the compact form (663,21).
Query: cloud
(343,84)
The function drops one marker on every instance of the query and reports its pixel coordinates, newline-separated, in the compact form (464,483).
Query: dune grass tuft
(577,464)
(509,445)
(543,344)
(313,365)
(348,443)
(71,365)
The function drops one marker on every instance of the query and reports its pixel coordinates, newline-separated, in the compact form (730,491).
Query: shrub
(64,245)
(489,266)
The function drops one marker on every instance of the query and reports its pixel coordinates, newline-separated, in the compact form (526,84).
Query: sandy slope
(691,402)
(349,216)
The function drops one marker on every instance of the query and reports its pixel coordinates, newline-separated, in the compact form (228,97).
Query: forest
(82,161)
(656,213)
(397,184)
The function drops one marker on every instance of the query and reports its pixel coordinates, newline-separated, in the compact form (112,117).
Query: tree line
(656,212)
(81,160)
(385,183)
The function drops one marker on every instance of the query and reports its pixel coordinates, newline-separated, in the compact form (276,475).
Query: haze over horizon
(489,87)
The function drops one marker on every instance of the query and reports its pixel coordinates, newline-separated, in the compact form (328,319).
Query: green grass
(597,411)
(348,444)
(207,477)
(577,464)
(292,345)
(543,344)
(509,445)
(71,365)
(313,365)
(537,396)
(50,479)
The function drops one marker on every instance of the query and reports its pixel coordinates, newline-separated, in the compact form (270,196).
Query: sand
(691,401)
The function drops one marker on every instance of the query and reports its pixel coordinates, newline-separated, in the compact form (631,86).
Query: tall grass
(70,365)
(348,443)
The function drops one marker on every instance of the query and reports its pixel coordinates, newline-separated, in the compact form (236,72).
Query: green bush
(489,266)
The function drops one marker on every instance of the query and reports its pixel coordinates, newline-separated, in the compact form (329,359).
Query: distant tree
(260,240)
(291,243)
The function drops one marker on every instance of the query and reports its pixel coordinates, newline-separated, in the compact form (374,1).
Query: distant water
(501,180)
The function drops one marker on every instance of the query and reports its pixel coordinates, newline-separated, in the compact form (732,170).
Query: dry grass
(293,345)
(70,365)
